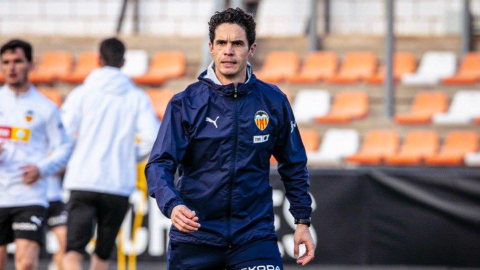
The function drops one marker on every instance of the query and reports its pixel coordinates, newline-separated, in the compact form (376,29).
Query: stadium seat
(336,145)
(425,105)
(472,159)
(52,66)
(279,66)
(317,66)
(136,63)
(164,66)
(403,63)
(86,63)
(433,67)
(417,146)
(2,79)
(310,140)
(310,104)
(464,108)
(456,146)
(348,105)
(469,72)
(356,66)
(52,94)
(377,145)
(476,120)
(160,98)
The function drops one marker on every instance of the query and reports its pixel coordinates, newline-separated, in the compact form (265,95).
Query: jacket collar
(209,78)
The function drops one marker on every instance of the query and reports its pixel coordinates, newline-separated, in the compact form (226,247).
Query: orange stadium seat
(477,120)
(317,66)
(160,98)
(456,146)
(86,63)
(425,105)
(279,66)
(52,94)
(377,145)
(469,72)
(356,66)
(403,63)
(2,79)
(417,146)
(164,66)
(52,66)
(348,105)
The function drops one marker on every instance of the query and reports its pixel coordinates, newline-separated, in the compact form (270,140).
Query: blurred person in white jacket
(30,126)
(105,114)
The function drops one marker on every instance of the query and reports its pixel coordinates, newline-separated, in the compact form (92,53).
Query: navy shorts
(258,255)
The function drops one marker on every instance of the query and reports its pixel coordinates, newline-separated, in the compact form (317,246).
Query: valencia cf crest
(29,116)
(261,120)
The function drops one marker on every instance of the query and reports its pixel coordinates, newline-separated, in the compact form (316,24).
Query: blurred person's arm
(146,129)
(168,151)
(59,142)
(72,114)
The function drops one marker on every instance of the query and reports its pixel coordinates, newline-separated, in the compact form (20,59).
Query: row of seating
(319,66)
(420,147)
(59,66)
(427,107)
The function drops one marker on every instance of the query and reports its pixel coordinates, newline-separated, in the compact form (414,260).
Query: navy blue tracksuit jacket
(221,139)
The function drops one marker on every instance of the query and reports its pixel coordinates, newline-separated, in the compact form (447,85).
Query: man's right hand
(184,219)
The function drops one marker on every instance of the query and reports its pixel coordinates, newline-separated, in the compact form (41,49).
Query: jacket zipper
(229,209)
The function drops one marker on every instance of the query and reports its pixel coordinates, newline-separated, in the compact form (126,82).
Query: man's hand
(303,236)
(184,219)
(31,174)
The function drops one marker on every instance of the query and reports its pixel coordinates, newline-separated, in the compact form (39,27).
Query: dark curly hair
(237,16)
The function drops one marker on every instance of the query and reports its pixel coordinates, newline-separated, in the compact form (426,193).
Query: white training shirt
(30,127)
(104,115)
(54,190)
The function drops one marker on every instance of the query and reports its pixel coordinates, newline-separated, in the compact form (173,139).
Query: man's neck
(241,78)
(19,89)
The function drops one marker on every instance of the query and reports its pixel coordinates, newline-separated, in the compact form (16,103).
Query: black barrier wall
(413,216)
(397,216)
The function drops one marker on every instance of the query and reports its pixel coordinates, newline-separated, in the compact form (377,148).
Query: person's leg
(81,215)
(111,211)
(255,255)
(26,254)
(3,257)
(60,233)
(27,226)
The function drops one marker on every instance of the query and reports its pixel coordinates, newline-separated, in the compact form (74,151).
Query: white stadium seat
(433,67)
(465,106)
(336,145)
(472,159)
(136,63)
(310,104)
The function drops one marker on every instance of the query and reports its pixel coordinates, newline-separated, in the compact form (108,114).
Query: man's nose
(228,50)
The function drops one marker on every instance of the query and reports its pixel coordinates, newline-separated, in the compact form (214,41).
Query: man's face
(15,67)
(230,50)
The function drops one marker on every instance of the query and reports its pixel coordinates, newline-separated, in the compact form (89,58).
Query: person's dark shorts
(56,215)
(84,209)
(25,222)
(255,255)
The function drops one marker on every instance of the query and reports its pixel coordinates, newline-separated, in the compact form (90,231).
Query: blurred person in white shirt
(104,114)
(30,126)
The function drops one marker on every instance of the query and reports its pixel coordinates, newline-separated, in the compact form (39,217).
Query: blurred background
(385,93)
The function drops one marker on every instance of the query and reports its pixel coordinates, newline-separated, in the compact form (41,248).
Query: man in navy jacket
(220,134)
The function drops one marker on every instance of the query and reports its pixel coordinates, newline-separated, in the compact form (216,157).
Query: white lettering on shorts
(16,226)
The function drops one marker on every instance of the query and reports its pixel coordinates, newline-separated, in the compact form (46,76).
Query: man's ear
(252,49)
(210,46)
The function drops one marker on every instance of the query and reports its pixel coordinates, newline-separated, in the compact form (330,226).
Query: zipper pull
(235,93)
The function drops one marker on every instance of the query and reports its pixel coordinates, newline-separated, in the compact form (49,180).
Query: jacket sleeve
(60,144)
(146,128)
(292,164)
(168,151)
(72,114)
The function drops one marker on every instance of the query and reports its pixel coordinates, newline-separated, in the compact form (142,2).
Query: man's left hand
(31,174)
(303,236)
